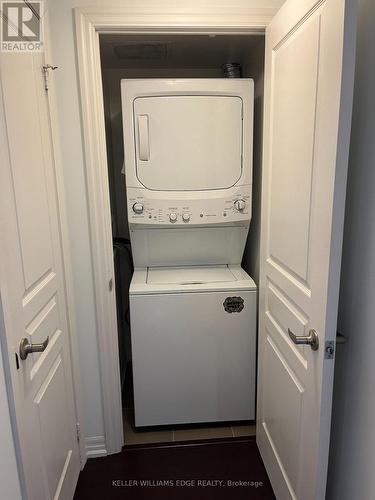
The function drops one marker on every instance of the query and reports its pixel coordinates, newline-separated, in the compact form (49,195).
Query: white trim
(89,22)
(95,447)
(65,241)
(224,20)
(100,227)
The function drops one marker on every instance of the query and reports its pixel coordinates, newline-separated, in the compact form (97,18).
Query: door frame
(90,22)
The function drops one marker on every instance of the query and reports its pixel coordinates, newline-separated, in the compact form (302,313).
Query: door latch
(329,349)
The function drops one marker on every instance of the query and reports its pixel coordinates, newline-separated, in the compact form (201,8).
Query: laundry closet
(198,60)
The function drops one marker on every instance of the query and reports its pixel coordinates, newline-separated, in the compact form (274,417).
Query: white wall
(255,70)
(352,460)
(65,80)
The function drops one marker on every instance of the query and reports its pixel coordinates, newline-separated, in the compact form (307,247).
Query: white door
(32,284)
(308,97)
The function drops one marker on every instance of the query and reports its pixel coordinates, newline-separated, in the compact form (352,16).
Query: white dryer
(188,166)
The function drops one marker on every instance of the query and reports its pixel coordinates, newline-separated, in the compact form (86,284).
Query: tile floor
(181,433)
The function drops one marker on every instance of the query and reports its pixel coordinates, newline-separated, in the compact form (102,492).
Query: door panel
(281,314)
(50,411)
(306,142)
(294,83)
(283,420)
(33,286)
(29,182)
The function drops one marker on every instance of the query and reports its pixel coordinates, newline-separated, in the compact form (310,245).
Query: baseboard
(95,447)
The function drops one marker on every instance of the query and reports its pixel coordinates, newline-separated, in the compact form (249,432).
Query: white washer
(193,345)
(188,167)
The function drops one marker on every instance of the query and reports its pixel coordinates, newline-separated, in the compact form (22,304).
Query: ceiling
(175,51)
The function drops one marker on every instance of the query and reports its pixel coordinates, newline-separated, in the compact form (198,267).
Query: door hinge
(329,349)
(78,429)
(45,70)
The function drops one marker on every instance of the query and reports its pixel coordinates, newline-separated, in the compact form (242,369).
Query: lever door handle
(311,339)
(26,348)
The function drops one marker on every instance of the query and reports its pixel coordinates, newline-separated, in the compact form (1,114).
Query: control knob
(173,217)
(240,205)
(138,208)
(186,217)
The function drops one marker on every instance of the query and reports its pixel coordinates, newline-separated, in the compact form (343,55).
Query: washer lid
(189,275)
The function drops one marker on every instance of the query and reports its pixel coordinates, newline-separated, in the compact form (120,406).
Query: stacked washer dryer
(188,166)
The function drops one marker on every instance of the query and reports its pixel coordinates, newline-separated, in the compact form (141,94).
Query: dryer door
(188,143)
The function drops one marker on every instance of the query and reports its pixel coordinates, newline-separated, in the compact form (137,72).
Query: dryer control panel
(146,209)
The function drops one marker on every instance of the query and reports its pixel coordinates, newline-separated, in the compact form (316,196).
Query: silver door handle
(311,339)
(26,348)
